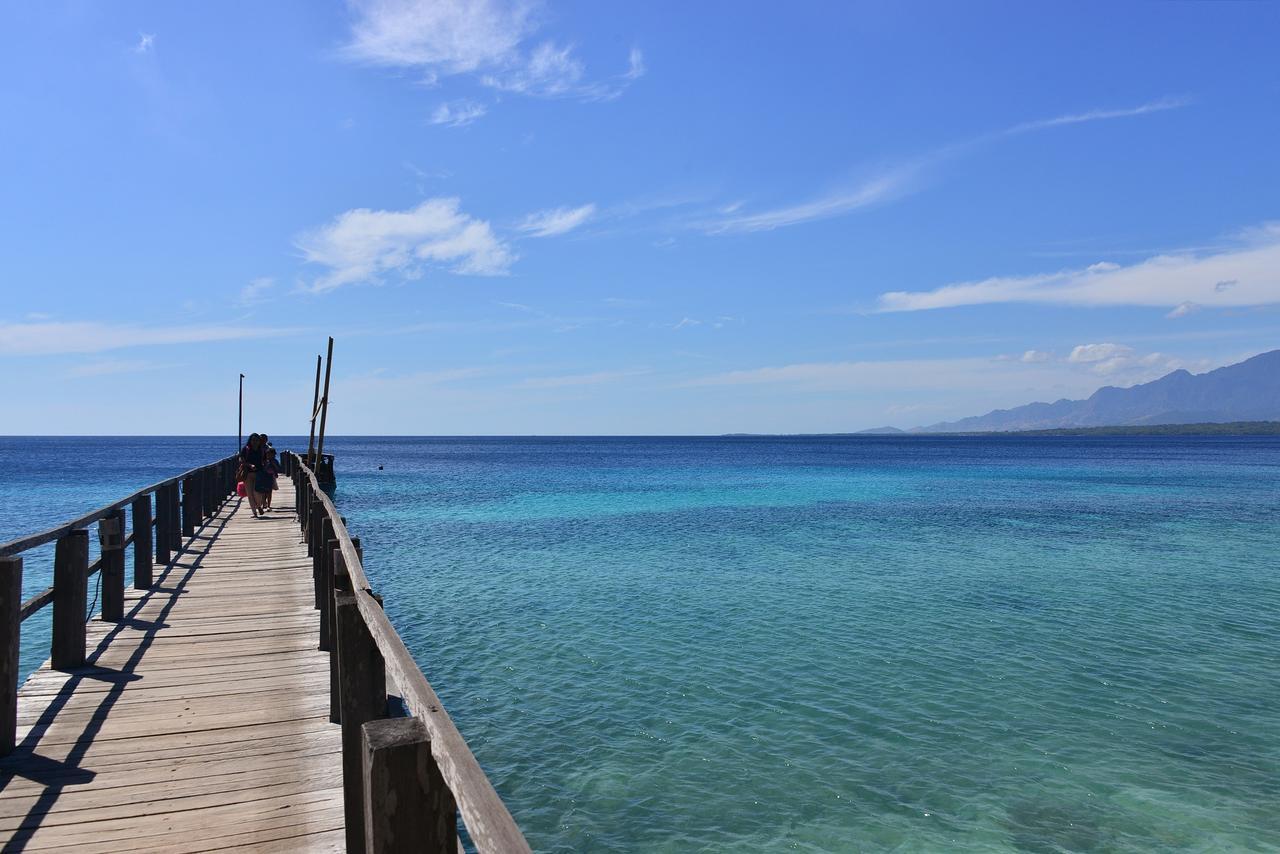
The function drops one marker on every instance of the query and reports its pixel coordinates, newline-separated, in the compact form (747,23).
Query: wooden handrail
(45,597)
(488,822)
(30,541)
(203,490)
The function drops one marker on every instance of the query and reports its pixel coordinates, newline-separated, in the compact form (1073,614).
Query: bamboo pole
(315,405)
(324,401)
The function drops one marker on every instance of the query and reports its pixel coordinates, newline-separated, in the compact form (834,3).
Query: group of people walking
(258,473)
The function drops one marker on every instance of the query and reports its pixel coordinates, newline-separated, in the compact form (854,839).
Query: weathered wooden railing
(182,504)
(405,780)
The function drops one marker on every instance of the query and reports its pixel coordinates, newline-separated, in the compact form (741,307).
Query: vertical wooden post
(189,507)
(407,806)
(112,566)
(364,698)
(325,569)
(142,543)
(163,536)
(70,599)
(315,404)
(324,404)
(338,582)
(175,518)
(10,639)
(206,493)
(313,548)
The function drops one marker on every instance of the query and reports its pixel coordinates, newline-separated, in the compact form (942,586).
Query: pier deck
(200,722)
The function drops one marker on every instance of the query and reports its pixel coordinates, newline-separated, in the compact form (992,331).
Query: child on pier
(272,469)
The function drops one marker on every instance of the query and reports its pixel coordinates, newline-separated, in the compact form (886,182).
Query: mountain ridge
(1245,391)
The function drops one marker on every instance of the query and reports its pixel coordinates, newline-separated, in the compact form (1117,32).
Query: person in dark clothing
(252,463)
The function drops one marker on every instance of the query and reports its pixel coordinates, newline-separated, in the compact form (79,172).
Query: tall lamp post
(240,420)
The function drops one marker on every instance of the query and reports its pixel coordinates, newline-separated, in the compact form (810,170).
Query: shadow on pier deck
(199,722)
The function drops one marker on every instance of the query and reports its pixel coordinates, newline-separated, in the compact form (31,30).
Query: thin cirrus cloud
(556,221)
(362,245)
(256,291)
(456,114)
(1011,378)
(1244,275)
(905,178)
(45,338)
(571,380)
(484,38)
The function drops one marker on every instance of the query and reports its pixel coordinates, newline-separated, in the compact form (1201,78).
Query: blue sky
(600,217)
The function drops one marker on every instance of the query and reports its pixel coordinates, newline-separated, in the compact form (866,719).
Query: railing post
(206,510)
(339,581)
(407,805)
(142,543)
(111,538)
(10,639)
(313,549)
(211,489)
(325,577)
(162,526)
(70,599)
(364,698)
(190,509)
(175,518)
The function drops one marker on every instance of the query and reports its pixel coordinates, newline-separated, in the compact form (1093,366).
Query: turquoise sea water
(822,644)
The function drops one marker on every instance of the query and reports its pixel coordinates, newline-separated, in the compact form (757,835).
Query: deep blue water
(863,643)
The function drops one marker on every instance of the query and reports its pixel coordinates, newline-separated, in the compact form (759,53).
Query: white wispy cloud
(555,221)
(897,181)
(1252,269)
(145,42)
(56,337)
(256,291)
(563,381)
(1110,360)
(1157,106)
(107,367)
(456,114)
(481,37)
(1015,379)
(363,245)
(881,188)
(686,322)
(635,65)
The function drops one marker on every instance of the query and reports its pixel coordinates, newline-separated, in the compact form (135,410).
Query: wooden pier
(240,696)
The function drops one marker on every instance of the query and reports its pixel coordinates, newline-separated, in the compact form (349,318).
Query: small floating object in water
(379,468)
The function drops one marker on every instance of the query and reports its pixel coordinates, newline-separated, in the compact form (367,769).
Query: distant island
(1212,428)
(1206,428)
(1247,392)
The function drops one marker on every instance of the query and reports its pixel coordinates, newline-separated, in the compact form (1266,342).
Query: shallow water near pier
(817,644)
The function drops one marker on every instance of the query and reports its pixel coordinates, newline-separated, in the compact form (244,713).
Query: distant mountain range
(1248,391)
